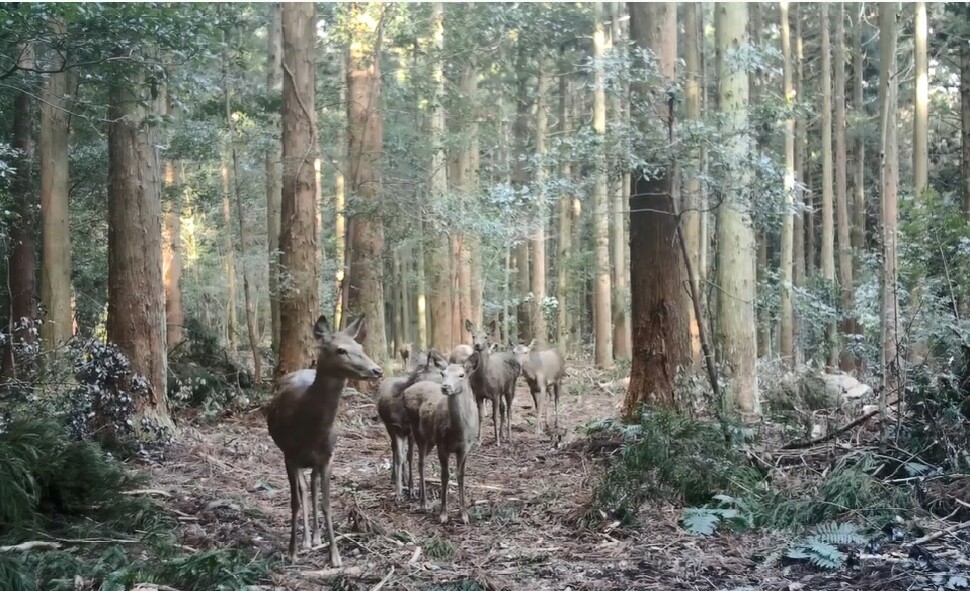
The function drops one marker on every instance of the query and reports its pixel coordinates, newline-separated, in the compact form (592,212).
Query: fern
(838,533)
(700,522)
(820,548)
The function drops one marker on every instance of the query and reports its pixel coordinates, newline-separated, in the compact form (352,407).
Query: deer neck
(462,408)
(324,397)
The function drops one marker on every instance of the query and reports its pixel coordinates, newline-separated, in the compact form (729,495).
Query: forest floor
(228,488)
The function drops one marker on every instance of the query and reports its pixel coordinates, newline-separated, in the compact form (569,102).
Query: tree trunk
(440,257)
(888,85)
(755,84)
(786,336)
(136,296)
(805,174)
(965,123)
(846,360)
(365,143)
(564,242)
(299,299)
(470,92)
(230,255)
(520,180)
(798,241)
(921,116)
(465,182)
(859,201)
(172,241)
(540,331)
(693,206)
(828,218)
(602,293)
(20,264)
(620,194)
(661,323)
(735,275)
(274,172)
(56,233)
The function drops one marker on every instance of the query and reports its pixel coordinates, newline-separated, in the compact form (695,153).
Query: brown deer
(390,408)
(460,354)
(301,419)
(492,377)
(448,420)
(543,372)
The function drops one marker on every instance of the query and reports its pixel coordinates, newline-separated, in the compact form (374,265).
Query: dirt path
(229,488)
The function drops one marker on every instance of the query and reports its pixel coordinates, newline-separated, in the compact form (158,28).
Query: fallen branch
(28,546)
(380,585)
(938,534)
(147,491)
(833,434)
(328,573)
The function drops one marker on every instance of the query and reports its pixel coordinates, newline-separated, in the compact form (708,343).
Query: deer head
(454,381)
(480,339)
(340,354)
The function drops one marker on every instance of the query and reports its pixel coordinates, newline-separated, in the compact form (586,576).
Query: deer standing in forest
(543,371)
(447,419)
(390,408)
(492,377)
(301,420)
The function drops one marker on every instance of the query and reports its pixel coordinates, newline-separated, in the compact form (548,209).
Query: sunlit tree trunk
(172,242)
(786,336)
(564,242)
(299,299)
(230,258)
(340,204)
(469,89)
(20,261)
(520,180)
(888,84)
(735,275)
(440,256)
(846,360)
(798,241)
(602,290)
(55,283)
(859,188)
(274,172)
(136,296)
(661,324)
(365,143)
(921,116)
(693,206)
(620,193)
(828,217)
(539,329)
(804,171)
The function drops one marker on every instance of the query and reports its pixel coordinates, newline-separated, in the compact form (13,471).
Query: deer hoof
(464,517)
(443,518)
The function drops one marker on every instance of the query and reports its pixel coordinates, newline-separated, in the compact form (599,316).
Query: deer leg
(496,403)
(410,466)
(304,508)
(556,402)
(481,411)
(296,501)
(443,460)
(422,452)
(314,483)
(509,396)
(396,466)
(327,513)
(540,398)
(462,508)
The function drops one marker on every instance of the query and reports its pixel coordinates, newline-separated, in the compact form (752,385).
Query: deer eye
(461,375)
(341,351)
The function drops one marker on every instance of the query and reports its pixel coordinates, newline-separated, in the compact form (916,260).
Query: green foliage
(459,585)
(439,548)
(705,520)
(821,546)
(670,456)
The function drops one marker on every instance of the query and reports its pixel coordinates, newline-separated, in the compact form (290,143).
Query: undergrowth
(57,488)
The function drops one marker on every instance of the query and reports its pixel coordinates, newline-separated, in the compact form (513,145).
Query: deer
(390,408)
(447,419)
(460,354)
(492,377)
(302,418)
(543,372)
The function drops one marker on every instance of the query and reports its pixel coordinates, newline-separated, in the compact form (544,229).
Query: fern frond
(837,533)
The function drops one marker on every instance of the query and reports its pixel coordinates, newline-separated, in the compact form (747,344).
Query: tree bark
(602,292)
(828,218)
(965,123)
(299,300)
(230,258)
(440,257)
(274,172)
(805,174)
(365,144)
(921,116)
(888,85)
(693,206)
(786,336)
(735,275)
(136,297)
(540,331)
(520,180)
(846,360)
(172,240)
(56,232)
(564,242)
(620,191)
(20,264)
(798,242)
(859,200)
(661,322)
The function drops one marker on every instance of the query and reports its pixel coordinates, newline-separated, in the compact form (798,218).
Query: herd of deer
(438,403)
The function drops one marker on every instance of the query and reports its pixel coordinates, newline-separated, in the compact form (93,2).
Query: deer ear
(356,329)
(469,326)
(532,344)
(321,329)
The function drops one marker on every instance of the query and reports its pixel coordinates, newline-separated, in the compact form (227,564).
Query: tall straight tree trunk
(340,202)
(786,336)
(365,144)
(661,344)
(735,275)
(540,331)
(469,89)
(230,254)
(828,218)
(20,262)
(441,257)
(602,291)
(846,360)
(804,171)
(274,171)
(564,242)
(620,191)
(465,182)
(172,239)
(798,242)
(55,283)
(693,206)
(921,116)
(859,171)
(755,84)
(965,123)
(520,180)
(136,297)
(888,85)
(299,299)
